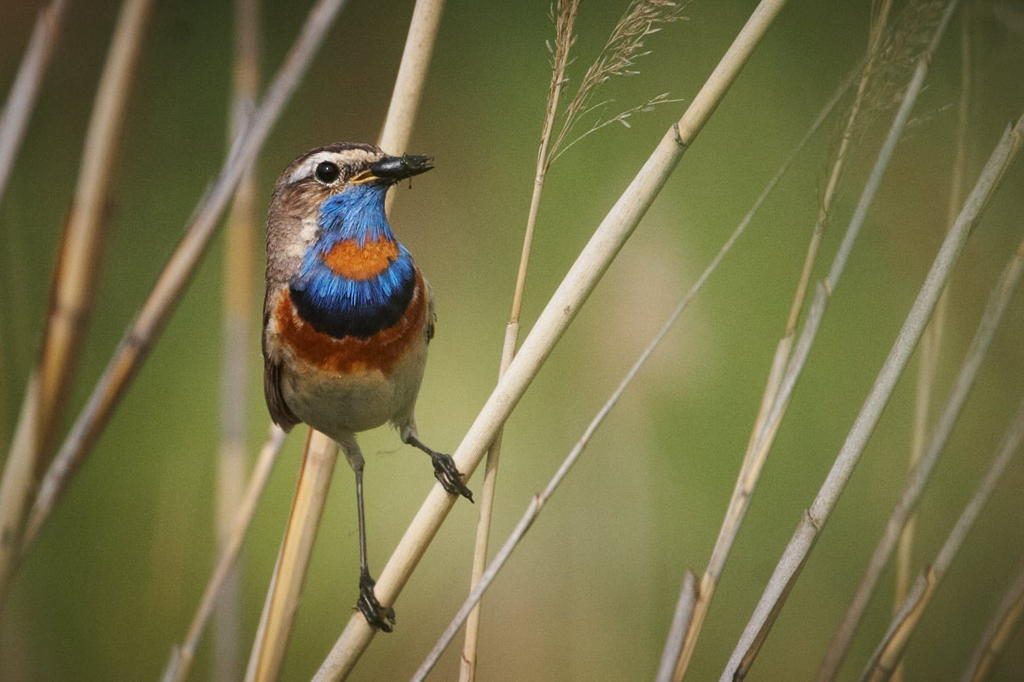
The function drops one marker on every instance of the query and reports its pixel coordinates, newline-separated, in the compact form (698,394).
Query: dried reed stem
(680,625)
(236,342)
(918,477)
(22,98)
(999,630)
(890,650)
(565,21)
(559,312)
(321,452)
(170,285)
(931,344)
(73,289)
(814,518)
(182,656)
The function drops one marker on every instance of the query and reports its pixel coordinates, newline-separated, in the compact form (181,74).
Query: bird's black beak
(395,168)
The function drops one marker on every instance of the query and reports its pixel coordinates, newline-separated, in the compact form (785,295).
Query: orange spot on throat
(351,261)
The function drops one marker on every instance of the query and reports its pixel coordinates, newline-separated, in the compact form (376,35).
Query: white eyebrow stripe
(308,166)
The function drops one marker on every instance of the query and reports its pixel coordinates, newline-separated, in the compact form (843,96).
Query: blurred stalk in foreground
(73,290)
(237,334)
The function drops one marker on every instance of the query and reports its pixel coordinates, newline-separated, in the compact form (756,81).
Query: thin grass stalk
(559,312)
(182,657)
(918,478)
(565,21)
(680,625)
(753,459)
(22,98)
(814,518)
(687,298)
(237,333)
(75,276)
(149,323)
(931,344)
(999,630)
(890,650)
(321,452)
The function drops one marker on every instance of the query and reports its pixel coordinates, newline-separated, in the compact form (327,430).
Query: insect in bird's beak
(392,169)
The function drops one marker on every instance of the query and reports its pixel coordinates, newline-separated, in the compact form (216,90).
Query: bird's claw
(448,475)
(379,617)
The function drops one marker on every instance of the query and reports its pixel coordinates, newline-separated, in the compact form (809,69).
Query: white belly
(340,405)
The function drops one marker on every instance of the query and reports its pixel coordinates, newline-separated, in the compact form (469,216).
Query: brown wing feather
(280,413)
(279,410)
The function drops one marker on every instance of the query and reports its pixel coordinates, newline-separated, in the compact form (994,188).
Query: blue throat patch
(336,305)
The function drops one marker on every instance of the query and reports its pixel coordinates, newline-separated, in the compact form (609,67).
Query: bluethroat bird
(347,315)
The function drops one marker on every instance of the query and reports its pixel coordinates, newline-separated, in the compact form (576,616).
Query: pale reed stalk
(321,452)
(149,322)
(814,518)
(73,290)
(236,342)
(920,474)
(890,650)
(559,312)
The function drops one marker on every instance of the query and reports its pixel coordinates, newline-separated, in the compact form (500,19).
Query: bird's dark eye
(327,172)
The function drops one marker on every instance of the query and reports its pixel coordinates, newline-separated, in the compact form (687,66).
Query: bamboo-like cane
(22,98)
(999,630)
(931,344)
(321,452)
(559,312)
(814,518)
(238,332)
(170,285)
(759,442)
(890,650)
(182,656)
(73,290)
(996,306)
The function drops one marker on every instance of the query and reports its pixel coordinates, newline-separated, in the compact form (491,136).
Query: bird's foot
(449,476)
(444,468)
(377,616)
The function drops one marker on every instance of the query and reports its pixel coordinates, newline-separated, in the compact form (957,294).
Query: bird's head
(329,194)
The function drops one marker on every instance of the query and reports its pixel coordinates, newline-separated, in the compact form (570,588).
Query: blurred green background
(117,574)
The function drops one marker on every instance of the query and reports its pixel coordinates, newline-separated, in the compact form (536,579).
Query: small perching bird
(347,315)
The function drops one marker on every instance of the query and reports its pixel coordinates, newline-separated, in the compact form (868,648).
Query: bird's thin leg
(376,615)
(444,467)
